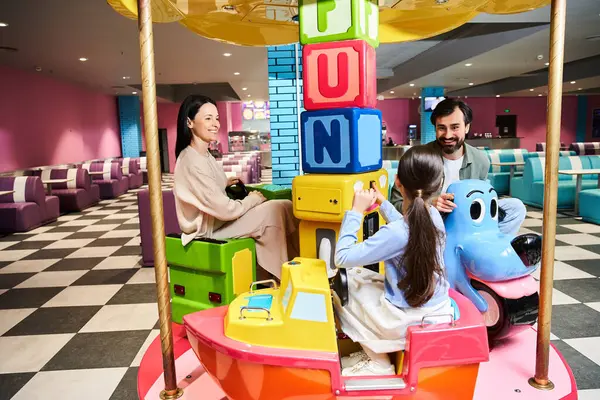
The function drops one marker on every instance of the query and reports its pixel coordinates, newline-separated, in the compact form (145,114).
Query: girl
(203,208)
(379,308)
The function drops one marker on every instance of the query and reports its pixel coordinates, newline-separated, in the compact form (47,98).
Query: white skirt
(372,321)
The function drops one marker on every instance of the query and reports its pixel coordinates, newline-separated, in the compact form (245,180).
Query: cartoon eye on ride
(477,210)
(494,208)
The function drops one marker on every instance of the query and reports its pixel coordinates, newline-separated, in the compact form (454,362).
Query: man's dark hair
(448,106)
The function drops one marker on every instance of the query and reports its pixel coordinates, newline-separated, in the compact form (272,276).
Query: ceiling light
(83,59)
(531,90)
(419,96)
(573,82)
(471,83)
(244,88)
(579,89)
(414,94)
(3,24)
(227,54)
(539,95)
(249,95)
(497,95)
(411,85)
(125,77)
(391,91)
(236,73)
(133,92)
(468,64)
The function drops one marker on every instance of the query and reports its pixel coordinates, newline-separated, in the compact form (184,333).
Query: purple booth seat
(585,149)
(28,207)
(77,194)
(112,183)
(170,216)
(144,170)
(242,172)
(131,169)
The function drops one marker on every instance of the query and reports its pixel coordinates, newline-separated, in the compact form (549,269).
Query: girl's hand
(363,199)
(379,197)
(232,181)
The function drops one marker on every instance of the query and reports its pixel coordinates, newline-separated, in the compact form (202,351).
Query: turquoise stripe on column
(283,87)
(582,118)
(428,130)
(130,125)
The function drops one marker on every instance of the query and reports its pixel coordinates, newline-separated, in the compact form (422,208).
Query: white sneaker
(367,368)
(353,359)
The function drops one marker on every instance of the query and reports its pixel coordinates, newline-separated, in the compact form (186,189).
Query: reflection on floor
(77,311)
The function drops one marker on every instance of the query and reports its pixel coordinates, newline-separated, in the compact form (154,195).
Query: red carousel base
(504,377)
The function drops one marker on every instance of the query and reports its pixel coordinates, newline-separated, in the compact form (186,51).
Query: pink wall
(236,115)
(45,122)
(396,114)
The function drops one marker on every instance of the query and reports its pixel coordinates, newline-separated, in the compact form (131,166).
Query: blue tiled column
(582,118)
(285,97)
(428,130)
(130,125)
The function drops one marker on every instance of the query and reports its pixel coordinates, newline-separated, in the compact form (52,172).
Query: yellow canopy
(269,22)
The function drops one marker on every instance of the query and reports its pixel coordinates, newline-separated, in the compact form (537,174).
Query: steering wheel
(237,191)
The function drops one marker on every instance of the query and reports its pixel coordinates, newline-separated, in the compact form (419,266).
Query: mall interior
(78,300)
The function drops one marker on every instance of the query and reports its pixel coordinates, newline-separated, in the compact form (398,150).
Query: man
(452,120)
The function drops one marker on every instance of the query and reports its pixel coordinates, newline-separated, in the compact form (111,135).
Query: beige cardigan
(200,199)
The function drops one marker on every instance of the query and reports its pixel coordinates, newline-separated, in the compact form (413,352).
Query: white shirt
(451,172)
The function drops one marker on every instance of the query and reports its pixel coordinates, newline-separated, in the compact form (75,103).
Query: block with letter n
(339,74)
(324,21)
(341,141)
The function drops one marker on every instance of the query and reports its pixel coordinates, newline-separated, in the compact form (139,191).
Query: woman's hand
(232,181)
(363,199)
(259,195)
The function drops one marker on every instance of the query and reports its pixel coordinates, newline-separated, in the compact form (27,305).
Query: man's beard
(451,149)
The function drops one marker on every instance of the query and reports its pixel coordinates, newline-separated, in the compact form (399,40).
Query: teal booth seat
(588,205)
(387,164)
(499,176)
(530,187)
(391,180)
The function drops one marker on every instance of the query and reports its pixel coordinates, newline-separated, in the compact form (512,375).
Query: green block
(333,20)
(205,266)
(272,192)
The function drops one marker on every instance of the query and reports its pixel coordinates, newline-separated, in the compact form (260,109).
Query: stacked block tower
(341,149)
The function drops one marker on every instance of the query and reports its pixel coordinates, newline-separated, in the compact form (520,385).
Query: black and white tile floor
(77,312)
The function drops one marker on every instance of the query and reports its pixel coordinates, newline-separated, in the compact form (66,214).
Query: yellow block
(313,233)
(325,197)
(241,269)
(300,312)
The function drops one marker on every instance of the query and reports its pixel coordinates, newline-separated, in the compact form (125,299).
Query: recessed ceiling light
(573,82)
(391,91)
(497,95)
(227,54)
(411,85)
(244,88)
(579,89)
(249,95)
(133,92)
(471,83)
(236,73)
(419,96)
(539,95)
(125,77)
(414,94)
(468,64)
(547,64)
(531,90)
(83,59)
(3,24)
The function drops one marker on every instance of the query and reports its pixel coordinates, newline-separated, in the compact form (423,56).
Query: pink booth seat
(27,207)
(75,195)
(112,183)
(130,168)
(170,217)
(241,172)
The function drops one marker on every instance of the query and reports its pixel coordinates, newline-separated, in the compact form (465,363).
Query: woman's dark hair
(448,106)
(420,172)
(188,109)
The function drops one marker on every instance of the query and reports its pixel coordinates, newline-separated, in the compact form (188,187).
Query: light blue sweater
(387,245)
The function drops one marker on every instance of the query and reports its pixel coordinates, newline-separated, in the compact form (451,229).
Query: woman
(203,208)
(379,308)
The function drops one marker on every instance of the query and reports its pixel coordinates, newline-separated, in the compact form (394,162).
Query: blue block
(271,61)
(341,141)
(286,61)
(283,90)
(281,97)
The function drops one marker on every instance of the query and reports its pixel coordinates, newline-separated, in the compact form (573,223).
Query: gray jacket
(475,165)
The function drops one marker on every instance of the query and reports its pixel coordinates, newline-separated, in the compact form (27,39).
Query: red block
(339,74)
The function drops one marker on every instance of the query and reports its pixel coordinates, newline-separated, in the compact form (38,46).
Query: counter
(496,143)
(394,152)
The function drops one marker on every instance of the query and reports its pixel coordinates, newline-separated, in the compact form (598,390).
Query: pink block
(339,74)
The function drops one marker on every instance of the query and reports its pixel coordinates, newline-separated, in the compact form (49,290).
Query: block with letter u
(341,141)
(339,74)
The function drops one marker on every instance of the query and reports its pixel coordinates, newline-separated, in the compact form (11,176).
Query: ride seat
(208,273)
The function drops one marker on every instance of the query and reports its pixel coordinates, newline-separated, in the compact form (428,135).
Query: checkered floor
(77,312)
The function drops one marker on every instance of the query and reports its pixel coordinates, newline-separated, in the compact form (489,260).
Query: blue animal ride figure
(491,269)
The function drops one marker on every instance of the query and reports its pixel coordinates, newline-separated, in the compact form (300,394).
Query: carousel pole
(555,84)
(171,390)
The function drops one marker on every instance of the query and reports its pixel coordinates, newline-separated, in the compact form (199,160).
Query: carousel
(225,336)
